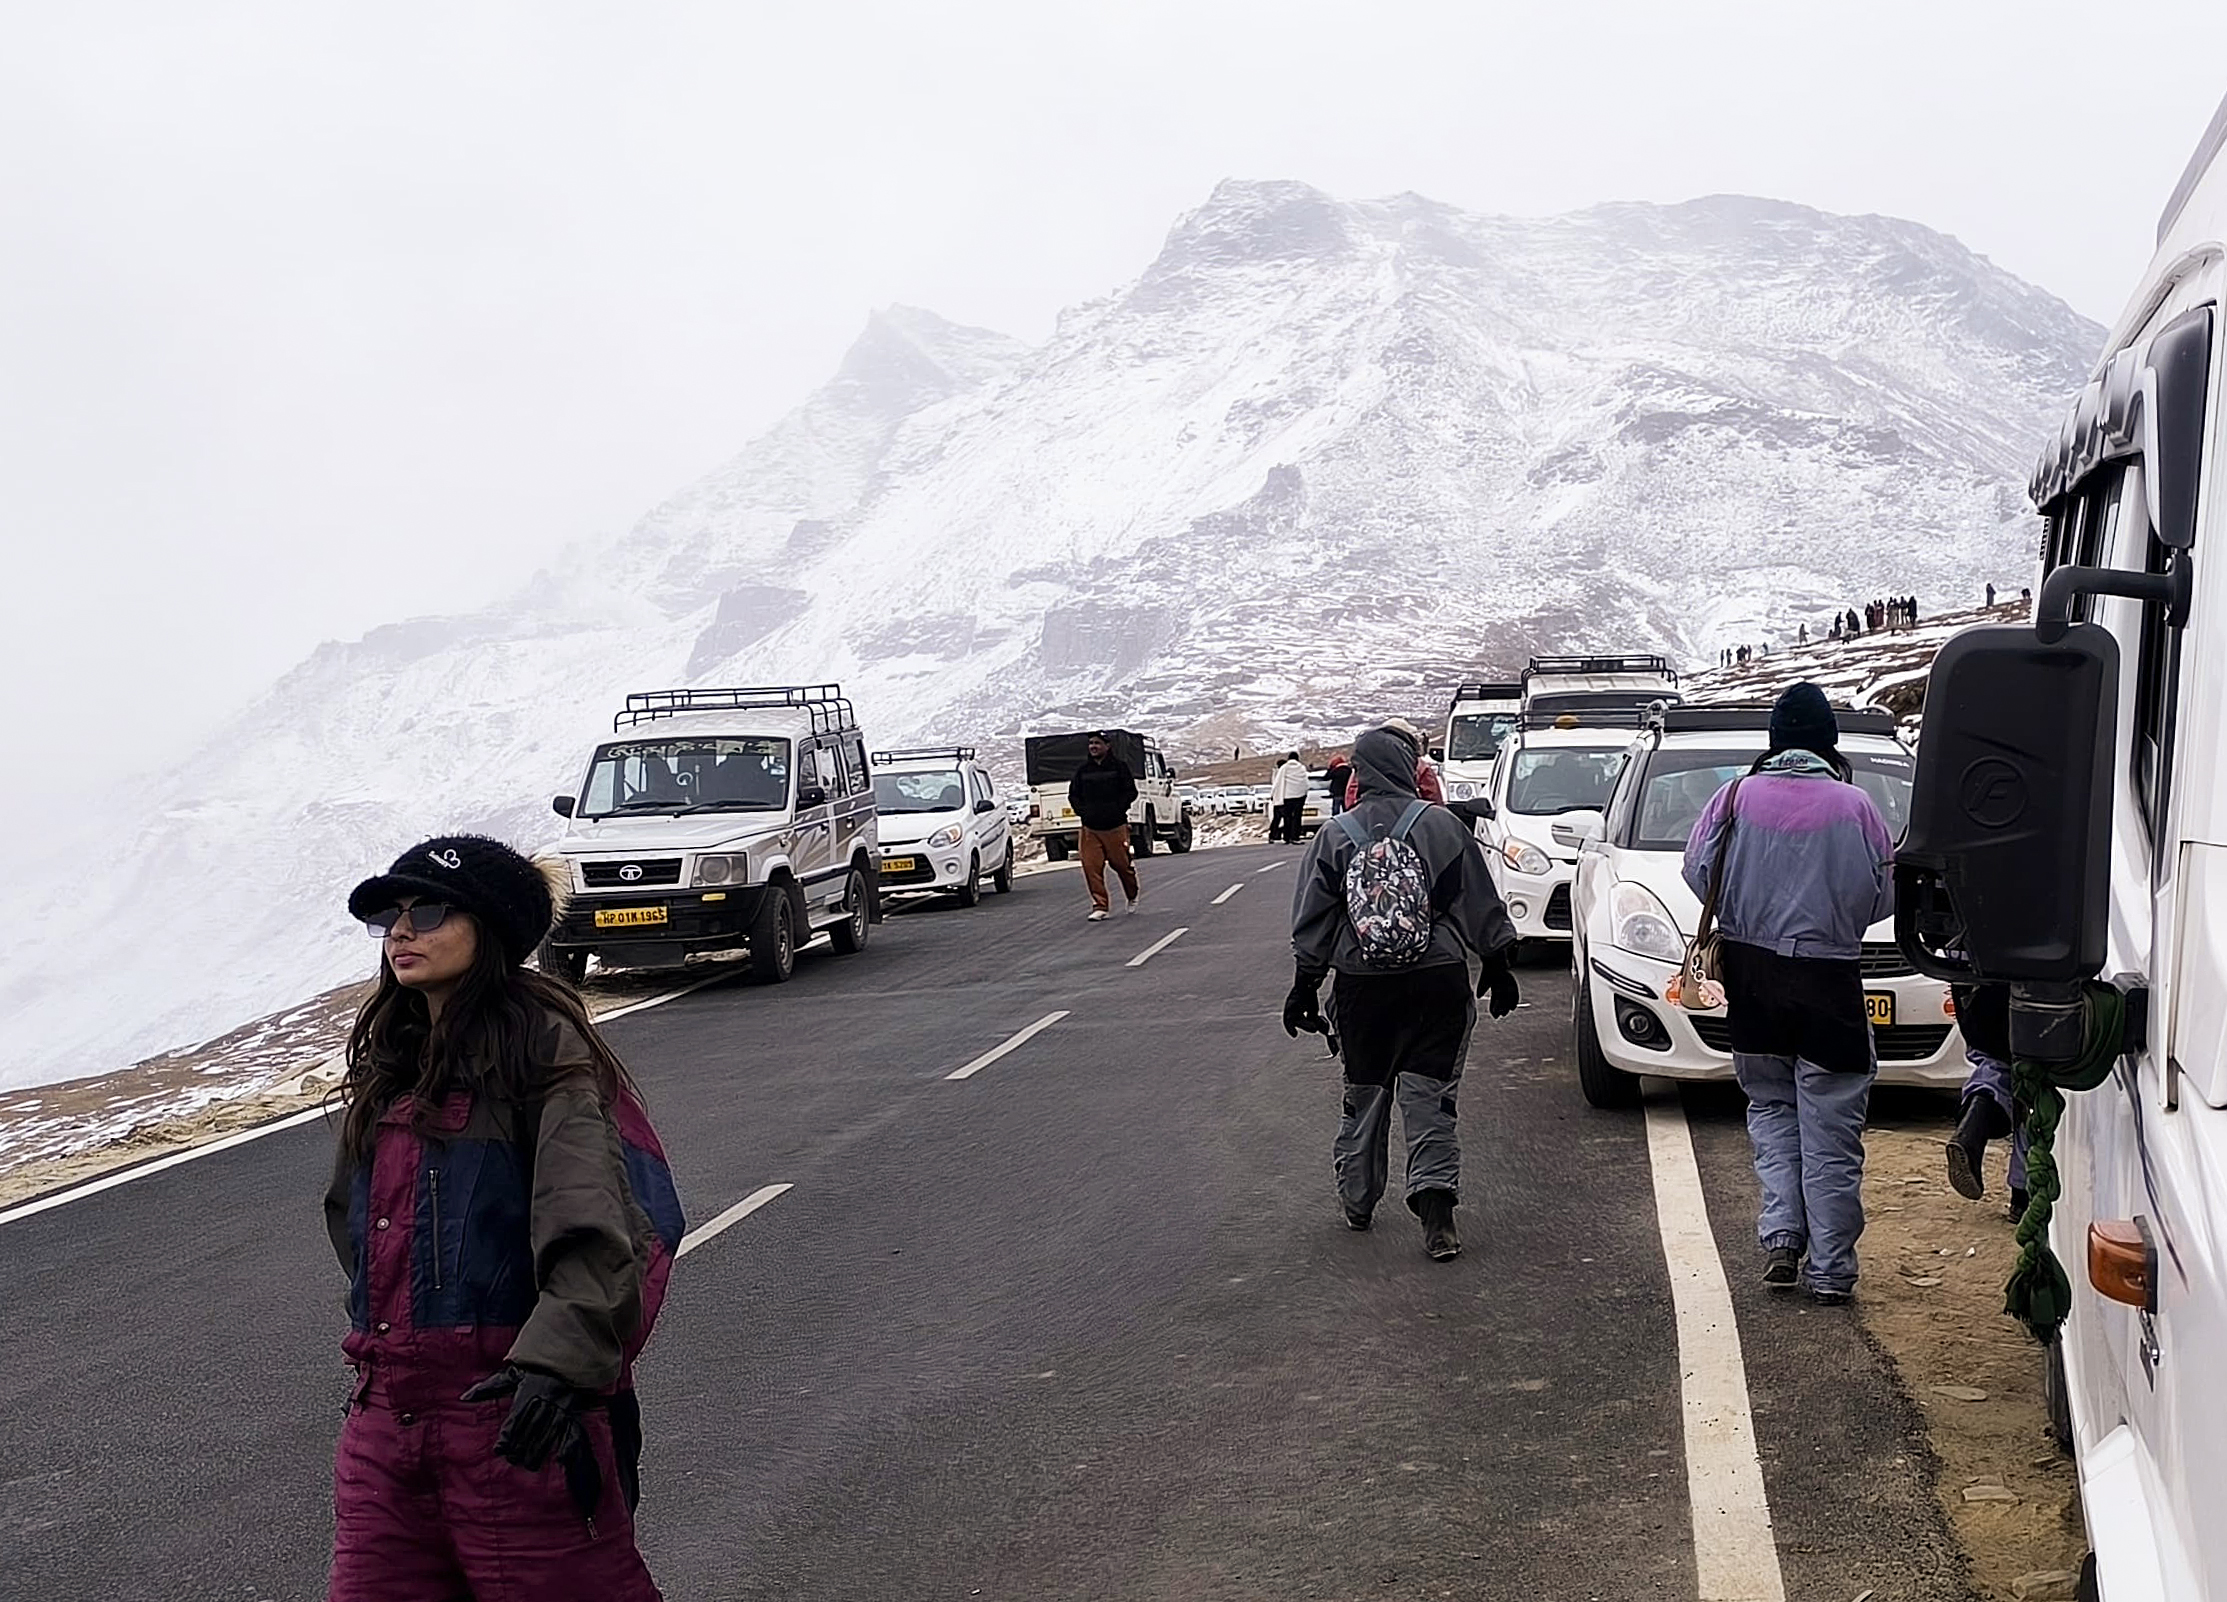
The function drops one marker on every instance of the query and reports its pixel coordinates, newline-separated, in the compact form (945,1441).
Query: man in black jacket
(1101,792)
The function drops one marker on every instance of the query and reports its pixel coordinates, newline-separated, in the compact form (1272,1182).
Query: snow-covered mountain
(1316,459)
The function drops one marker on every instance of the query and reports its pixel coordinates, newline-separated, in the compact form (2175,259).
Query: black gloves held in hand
(544,1415)
(1498,983)
(1301,1011)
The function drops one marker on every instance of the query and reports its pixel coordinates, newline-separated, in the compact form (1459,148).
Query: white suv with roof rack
(1483,715)
(1556,768)
(943,825)
(719,819)
(1634,914)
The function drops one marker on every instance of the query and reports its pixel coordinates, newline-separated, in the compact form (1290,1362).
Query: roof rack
(924,753)
(826,705)
(1725,719)
(1486,690)
(1589,717)
(1629,663)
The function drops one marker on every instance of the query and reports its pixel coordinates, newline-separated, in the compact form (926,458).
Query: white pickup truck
(1158,816)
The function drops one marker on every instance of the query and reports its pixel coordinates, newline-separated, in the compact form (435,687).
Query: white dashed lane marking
(733,1215)
(1158,946)
(1735,1553)
(1015,1044)
(1226,894)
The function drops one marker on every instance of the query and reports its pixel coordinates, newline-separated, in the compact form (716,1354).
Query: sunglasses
(423,918)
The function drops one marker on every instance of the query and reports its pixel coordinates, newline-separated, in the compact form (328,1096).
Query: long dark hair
(493,1038)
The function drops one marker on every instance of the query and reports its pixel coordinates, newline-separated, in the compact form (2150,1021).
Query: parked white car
(1159,816)
(1478,723)
(1545,777)
(1634,914)
(717,819)
(942,826)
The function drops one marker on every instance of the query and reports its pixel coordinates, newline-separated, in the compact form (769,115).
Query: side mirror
(811,795)
(985,806)
(2004,873)
(1577,830)
(562,805)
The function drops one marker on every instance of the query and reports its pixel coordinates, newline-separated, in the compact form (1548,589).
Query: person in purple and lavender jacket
(1807,868)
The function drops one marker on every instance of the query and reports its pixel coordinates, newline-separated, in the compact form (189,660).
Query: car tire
(970,893)
(1141,841)
(1605,1085)
(773,939)
(1003,878)
(849,936)
(569,963)
(1055,847)
(1185,834)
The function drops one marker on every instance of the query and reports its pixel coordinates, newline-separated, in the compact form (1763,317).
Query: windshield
(1567,780)
(940,791)
(684,775)
(1680,783)
(1476,736)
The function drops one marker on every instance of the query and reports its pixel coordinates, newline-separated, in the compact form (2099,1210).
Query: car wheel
(569,963)
(1055,847)
(1003,878)
(1185,834)
(773,939)
(970,893)
(1605,1085)
(849,936)
(1141,841)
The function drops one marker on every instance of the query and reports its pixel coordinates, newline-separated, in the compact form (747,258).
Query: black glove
(1496,981)
(544,1415)
(1301,1011)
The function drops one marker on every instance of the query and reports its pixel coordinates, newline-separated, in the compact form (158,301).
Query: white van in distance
(1480,720)
(717,819)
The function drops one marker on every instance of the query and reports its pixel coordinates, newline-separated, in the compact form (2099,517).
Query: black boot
(1436,1209)
(1982,1122)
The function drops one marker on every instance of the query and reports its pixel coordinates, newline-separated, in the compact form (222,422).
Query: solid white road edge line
(1226,894)
(1735,1553)
(1015,1044)
(1158,946)
(733,1215)
(94,1187)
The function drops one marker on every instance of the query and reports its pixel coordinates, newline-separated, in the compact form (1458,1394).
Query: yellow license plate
(627,917)
(899,864)
(1879,1007)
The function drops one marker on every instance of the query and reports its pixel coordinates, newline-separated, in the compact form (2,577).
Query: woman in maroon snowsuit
(507,1220)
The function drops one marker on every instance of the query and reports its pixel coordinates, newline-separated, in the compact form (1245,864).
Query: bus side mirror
(563,805)
(2004,873)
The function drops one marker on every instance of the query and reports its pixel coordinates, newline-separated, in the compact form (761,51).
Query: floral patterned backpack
(1388,892)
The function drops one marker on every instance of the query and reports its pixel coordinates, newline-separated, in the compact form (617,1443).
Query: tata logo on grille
(631,872)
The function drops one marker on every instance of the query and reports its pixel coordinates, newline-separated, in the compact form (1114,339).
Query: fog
(313,317)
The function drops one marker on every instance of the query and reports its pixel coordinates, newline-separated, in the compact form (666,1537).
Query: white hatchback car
(1634,914)
(943,826)
(1546,777)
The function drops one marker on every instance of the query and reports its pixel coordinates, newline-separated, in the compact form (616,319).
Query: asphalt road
(1084,1325)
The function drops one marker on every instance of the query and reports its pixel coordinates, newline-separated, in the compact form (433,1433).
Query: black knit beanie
(1803,721)
(503,890)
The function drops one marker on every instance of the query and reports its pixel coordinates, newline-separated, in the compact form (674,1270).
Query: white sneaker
(1133,900)
(1097,915)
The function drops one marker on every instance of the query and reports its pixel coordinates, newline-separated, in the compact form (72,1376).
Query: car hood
(1661,872)
(707,831)
(910,828)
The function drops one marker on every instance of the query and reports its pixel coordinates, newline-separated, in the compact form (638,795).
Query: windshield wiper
(725,806)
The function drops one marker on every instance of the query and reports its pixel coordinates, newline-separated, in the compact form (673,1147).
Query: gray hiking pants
(1405,1038)
(1807,1127)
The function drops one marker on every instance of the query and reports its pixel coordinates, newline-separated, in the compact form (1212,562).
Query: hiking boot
(1982,1122)
(1782,1266)
(1097,915)
(1436,1209)
(1356,1218)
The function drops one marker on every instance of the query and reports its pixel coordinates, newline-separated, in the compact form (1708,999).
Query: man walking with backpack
(1392,899)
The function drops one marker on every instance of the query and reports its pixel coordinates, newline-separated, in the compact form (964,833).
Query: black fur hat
(514,899)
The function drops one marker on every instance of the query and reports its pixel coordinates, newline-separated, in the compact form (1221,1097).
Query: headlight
(726,868)
(1465,791)
(1525,857)
(1638,922)
(949,835)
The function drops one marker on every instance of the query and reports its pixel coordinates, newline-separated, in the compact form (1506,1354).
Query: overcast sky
(315,316)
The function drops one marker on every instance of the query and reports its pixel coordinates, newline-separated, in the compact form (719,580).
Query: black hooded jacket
(1102,792)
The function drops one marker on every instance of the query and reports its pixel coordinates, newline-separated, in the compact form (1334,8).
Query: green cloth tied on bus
(2039,1294)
